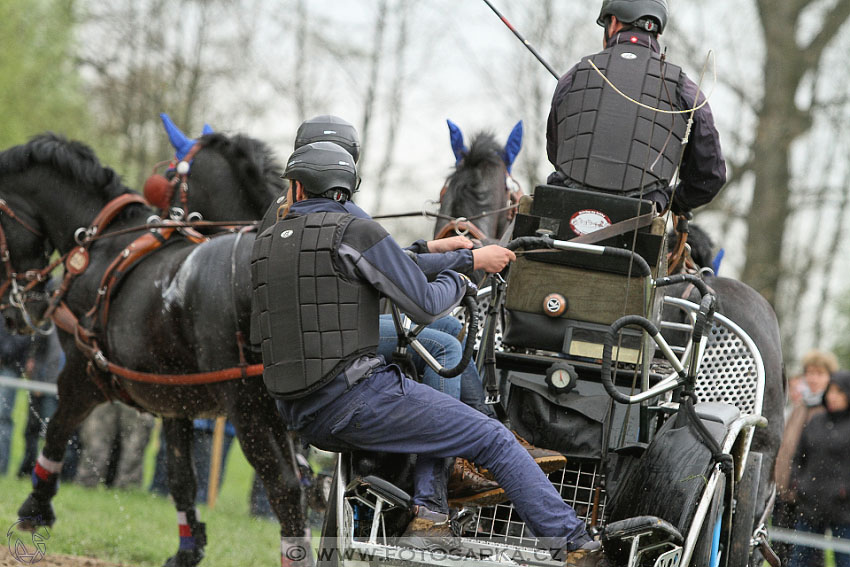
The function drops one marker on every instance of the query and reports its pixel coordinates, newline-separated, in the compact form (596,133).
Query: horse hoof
(34,514)
(185,558)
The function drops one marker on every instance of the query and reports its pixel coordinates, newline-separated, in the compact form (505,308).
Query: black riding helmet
(637,13)
(324,169)
(329,128)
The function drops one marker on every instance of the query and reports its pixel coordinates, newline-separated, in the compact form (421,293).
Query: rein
(463,226)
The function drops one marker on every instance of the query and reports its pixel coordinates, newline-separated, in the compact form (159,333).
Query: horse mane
(70,157)
(253,163)
(484,151)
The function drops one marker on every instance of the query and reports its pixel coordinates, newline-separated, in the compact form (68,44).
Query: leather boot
(588,555)
(430,531)
(467,486)
(548,461)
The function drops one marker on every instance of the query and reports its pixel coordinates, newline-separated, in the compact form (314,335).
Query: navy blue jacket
(430,262)
(703,170)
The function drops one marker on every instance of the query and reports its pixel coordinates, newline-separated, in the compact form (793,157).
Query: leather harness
(76,262)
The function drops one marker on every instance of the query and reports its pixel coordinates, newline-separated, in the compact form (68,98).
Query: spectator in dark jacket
(821,474)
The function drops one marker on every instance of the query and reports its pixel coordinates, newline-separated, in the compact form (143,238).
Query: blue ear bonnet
(456,138)
(715,264)
(513,146)
(182,144)
(511,150)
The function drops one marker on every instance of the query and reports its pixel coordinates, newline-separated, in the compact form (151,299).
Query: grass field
(132,527)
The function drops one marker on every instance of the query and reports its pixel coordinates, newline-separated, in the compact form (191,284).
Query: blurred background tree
(40,84)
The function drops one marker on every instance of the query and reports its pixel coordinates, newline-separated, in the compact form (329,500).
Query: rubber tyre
(743,521)
(702,550)
(327,553)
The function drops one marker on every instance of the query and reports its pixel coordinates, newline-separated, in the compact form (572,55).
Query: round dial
(561,378)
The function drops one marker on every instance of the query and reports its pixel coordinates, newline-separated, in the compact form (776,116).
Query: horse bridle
(464,226)
(20,285)
(180,183)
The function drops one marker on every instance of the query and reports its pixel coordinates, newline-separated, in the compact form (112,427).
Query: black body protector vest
(311,320)
(608,143)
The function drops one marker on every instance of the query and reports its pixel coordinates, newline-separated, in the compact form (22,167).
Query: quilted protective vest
(606,142)
(312,322)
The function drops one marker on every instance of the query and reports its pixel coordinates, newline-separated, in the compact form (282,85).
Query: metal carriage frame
(727,376)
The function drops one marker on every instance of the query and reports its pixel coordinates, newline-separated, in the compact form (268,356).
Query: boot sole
(487,498)
(547,465)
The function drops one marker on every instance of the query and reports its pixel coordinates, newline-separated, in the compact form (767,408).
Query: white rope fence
(808,539)
(31,385)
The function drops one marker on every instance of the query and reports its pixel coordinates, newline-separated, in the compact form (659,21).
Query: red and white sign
(588,220)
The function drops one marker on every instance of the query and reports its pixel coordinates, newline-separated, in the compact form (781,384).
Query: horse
(479,197)
(173,314)
(227,178)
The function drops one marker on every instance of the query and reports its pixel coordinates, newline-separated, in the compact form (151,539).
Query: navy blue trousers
(390,413)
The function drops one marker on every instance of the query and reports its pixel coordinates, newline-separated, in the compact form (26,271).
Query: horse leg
(262,434)
(182,487)
(78,395)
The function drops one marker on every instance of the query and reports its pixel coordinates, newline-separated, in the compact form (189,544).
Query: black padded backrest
(567,212)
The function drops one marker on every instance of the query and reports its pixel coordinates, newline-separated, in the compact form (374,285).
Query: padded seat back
(597,290)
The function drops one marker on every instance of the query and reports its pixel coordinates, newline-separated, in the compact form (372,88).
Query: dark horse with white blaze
(174,312)
(478,185)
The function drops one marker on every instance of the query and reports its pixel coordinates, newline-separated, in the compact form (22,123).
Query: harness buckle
(100,361)
(458,230)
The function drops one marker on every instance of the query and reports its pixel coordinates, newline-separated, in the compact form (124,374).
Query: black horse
(480,195)
(174,312)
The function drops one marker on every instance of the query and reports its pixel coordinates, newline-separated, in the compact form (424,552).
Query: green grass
(135,528)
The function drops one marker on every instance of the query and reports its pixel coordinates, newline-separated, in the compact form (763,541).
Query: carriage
(656,399)
(653,397)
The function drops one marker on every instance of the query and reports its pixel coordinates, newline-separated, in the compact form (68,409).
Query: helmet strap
(337,195)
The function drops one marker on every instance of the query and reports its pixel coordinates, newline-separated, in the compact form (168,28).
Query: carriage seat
(594,291)
(379,495)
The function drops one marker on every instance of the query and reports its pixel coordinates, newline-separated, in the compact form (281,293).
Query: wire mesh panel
(729,371)
(575,484)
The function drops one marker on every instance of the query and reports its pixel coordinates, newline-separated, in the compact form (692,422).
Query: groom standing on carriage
(600,140)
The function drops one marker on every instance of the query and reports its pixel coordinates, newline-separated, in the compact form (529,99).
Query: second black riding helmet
(634,11)
(324,169)
(329,128)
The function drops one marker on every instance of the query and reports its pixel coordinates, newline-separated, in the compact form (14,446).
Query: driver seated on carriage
(319,330)
(467,484)
(599,140)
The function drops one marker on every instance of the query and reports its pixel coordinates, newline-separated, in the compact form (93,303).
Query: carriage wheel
(743,522)
(709,537)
